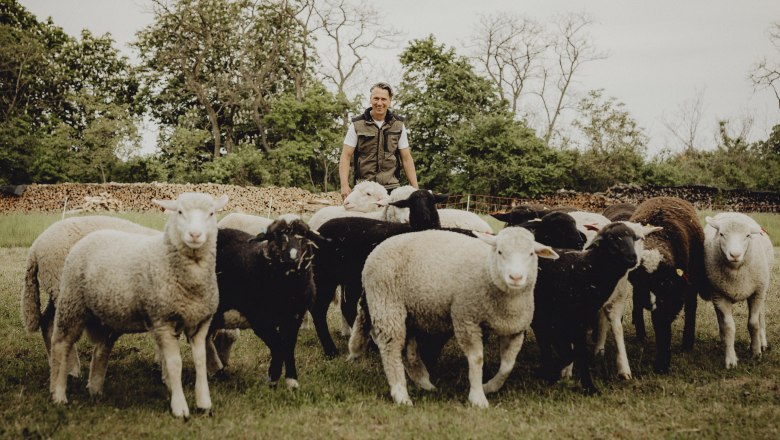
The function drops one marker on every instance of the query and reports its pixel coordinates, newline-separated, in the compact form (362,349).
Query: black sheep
(269,279)
(527,212)
(673,270)
(569,293)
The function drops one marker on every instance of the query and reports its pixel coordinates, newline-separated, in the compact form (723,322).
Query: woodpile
(116,197)
(273,201)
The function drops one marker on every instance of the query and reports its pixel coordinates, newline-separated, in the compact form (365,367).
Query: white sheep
(363,199)
(116,282)
(45,260)
(738,257)
(251,224)
(439,281)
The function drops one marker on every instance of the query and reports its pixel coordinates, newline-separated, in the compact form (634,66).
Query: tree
(500,156)
(766,72)
(508,51)
(572,48)
(614,144)
(439,91)
(685,122)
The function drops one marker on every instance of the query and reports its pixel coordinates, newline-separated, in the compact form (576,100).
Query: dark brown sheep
(671,274)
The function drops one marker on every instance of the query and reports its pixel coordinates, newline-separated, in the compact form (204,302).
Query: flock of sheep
(411,277)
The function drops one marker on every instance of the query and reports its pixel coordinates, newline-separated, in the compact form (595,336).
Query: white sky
(660,52)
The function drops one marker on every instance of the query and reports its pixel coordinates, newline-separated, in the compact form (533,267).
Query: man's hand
(345,190)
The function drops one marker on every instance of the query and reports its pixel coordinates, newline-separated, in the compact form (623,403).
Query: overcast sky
(661,52)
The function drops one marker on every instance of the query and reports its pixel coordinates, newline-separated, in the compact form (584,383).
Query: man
(380,140)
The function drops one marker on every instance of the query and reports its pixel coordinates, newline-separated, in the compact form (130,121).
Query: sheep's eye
(180,213)
(211,214)
(500,253)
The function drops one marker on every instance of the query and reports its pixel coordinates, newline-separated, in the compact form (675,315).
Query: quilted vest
(376,155)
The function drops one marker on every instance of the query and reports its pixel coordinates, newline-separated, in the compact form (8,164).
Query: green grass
(340,399)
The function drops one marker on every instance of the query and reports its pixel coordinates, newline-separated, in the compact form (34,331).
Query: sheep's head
(289,244)
(422,209)
(558,230)
(364,197)
(514,259)
(733,236)
(394,213)
(193,220)
(617,242)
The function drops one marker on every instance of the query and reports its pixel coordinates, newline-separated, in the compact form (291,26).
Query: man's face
(380,102)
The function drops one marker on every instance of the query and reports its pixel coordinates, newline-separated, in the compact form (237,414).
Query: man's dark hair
(384,86)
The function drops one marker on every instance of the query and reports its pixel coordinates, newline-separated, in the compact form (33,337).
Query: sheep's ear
(168,205)
(316,238)
(400,203)
(583,237)
(260,236)
(502,216)
(544,251)
(712,222)
(220,202)
(382,202)
(756,229)
(441,198)
(649,229)
(591,227)
(487,238)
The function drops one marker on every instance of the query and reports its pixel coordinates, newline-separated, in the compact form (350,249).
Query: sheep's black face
(289,245)
(616,241)
(422,209)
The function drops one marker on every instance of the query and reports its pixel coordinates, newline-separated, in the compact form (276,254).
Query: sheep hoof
(204,411)
(625,376)
(592,391)
(352,356)
(479,401)
(59,400)
(291,384)
(271,383)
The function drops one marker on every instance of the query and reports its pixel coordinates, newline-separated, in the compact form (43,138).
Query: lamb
(352,239)
(45,260)
(619,211)
(439,282)
(117,282)
(569,293)
(269,280)
(251,224)
(738,258)
(671,274)
(361,200)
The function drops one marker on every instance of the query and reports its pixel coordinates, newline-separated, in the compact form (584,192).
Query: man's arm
(345,164)
(408,164)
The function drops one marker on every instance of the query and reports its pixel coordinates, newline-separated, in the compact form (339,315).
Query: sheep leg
(429,346)
(289,336)
(762,321)
(689,329)
(350,295)
(213,362)
(223,342)
(662,326)
(624,370)
(62,342)
(415,366)
(390,338)
(270,336)
(601,331)
(723,309)
(510,346)
(198,347)
(319,314)
(640,298)
(104,342)
(469,337)
(358,340)
(755,304)
(168,342)
(582,362)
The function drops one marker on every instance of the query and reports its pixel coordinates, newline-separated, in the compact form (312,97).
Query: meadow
(340,399)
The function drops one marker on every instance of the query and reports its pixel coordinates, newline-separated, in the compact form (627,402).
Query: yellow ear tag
(680,272)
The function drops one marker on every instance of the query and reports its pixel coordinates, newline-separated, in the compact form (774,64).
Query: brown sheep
(671,274)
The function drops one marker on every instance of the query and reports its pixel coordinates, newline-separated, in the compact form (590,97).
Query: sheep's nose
(516,278)
(195,235)
(735,256)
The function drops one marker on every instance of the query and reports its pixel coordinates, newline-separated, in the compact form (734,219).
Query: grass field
(340,399)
